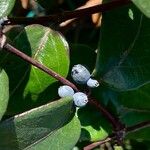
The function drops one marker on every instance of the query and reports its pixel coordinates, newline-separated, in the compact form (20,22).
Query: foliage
(118,56)
(6,7)
(4,92)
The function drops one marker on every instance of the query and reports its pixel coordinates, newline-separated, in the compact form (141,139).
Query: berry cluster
(81,76)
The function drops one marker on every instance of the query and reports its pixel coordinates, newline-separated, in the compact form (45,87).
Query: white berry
(92,83)
(80,74)
(80,99)
(65,90)
(2,20)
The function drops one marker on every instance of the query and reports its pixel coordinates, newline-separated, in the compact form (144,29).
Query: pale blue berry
(80,99)
(65,90)
(92,83)
(80,74)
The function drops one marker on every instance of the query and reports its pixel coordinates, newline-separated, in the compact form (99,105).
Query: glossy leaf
(138,99)
(64,138)
(123,59)
(6,7)
(143,5)
(35,126)
(94,126)
(4,92)
(141,134)
(131,118)
(49,48)
(26,81)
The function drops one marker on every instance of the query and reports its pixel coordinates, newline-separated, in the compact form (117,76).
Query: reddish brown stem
(116,124)
(93,145)
(60,17)
(30,60)
(114,137)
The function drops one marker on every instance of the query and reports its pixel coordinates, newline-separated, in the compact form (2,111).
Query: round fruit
(80,99)
(65,90)
(80,74)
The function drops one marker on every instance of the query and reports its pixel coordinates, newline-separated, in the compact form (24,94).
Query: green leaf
(131,118)
(6,7)
(94,126)
(123,58)
(27,82)
(36,126)
(49,48)
(143,5)
(13,31)
(4,90)
(138,99)
(116,147)
(64,138)
(141,134)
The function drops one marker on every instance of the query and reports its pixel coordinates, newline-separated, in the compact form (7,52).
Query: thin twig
(30,60)
(93,145)
(116,124)
(114,136)
(138,126)
(60,17)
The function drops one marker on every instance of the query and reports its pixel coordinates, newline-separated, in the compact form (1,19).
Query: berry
(80,74)
(2,20)
(92,83)
(80,99)
(65,90)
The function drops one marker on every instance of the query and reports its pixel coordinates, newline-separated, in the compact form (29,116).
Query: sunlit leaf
(143,5)
(64,138)
(6,7)
(27,82)
(4,92)
(94,126)
(37,126)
